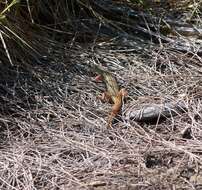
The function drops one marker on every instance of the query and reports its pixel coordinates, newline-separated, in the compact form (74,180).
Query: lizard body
(114,93)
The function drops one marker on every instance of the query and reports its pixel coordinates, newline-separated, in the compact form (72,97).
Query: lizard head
(98,78)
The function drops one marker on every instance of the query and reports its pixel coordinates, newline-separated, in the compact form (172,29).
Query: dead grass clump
(62,141)
(53,128)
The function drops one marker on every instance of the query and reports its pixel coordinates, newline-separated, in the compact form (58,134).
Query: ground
(54,133)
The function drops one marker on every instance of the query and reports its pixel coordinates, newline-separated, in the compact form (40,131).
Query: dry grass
(53,128)
(54,134)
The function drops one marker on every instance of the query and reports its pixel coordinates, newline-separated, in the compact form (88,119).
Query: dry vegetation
(53,128)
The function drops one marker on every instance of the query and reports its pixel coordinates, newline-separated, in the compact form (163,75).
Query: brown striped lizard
(113,94)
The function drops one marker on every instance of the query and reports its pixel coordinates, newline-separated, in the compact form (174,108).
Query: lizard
(113,94)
